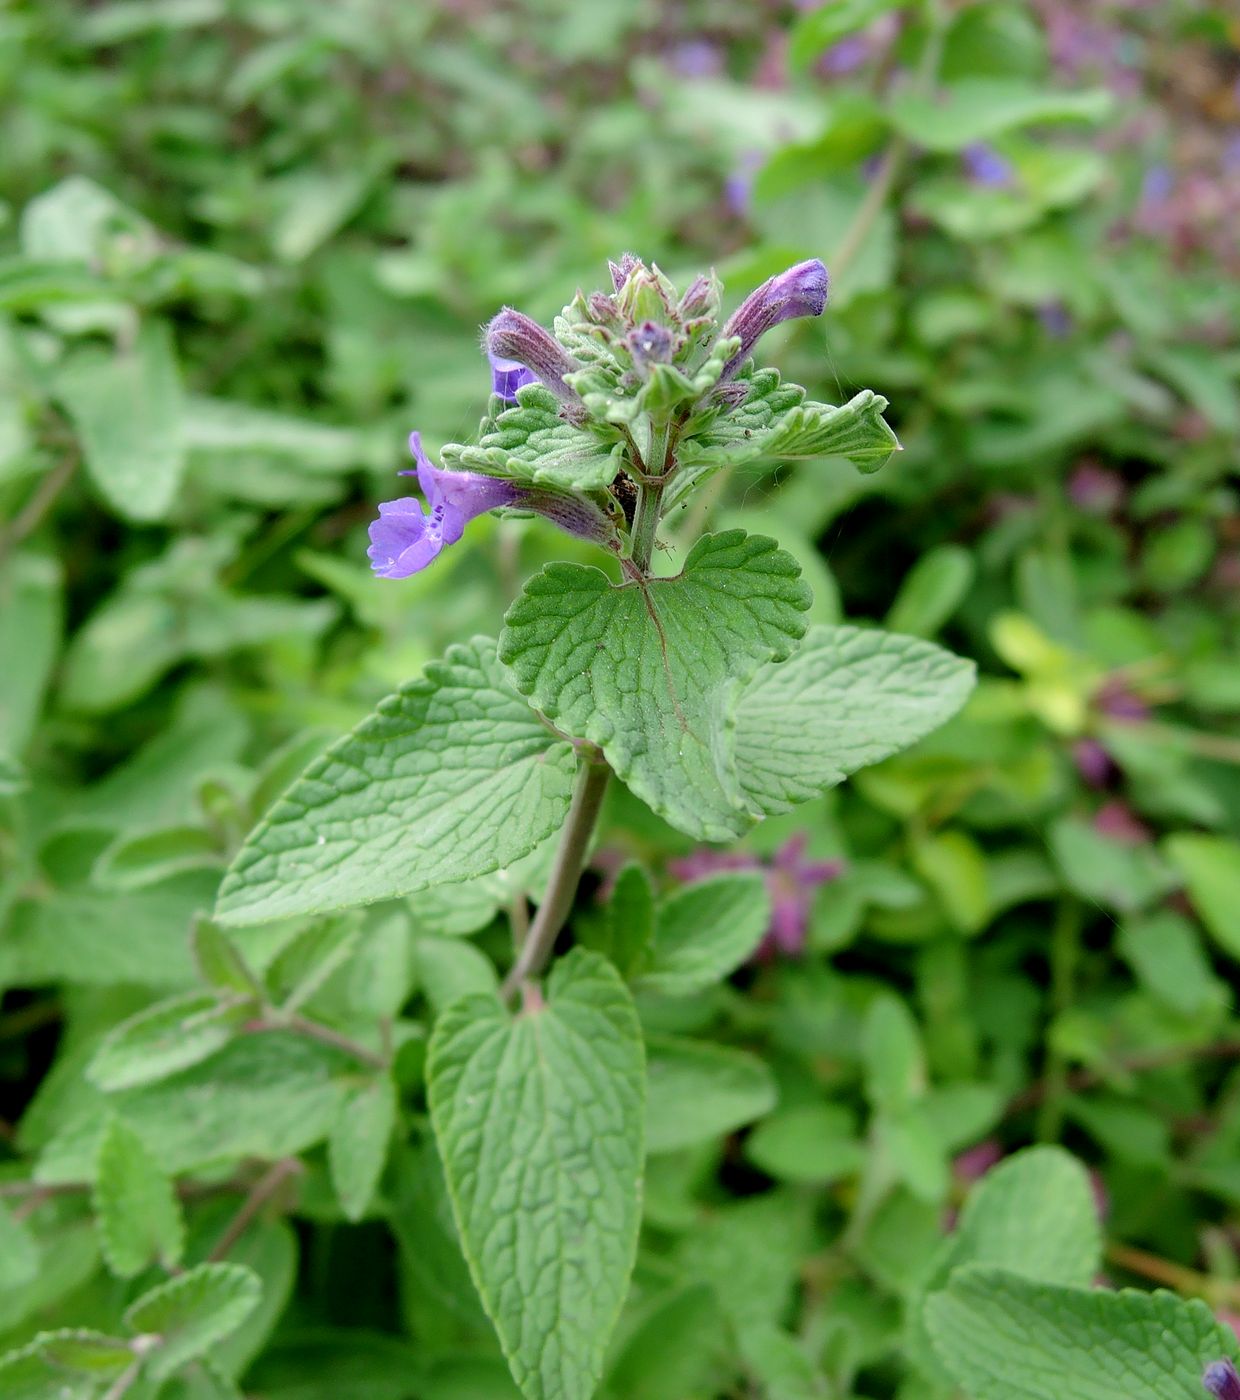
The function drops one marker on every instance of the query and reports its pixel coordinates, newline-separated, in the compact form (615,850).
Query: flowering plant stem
(588,791)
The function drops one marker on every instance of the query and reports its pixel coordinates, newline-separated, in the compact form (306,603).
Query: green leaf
(138,1213)
(649,670)
(25,1375)
(358,1145)
(778,1362)
(1106,871)
(932,591)
(697,1092)
(706,931)
(769,430)
(829,23)
(162,1039)
(846,699)
(531,443)
(1165,951)
(19,1252)
(624,929)
(1003,1337)
(30,627)
(1210,866)
(219,963)
(1034,1214)
(267,1096)
(83,1352)
(450,778)
(539,1123)
(812,1143)
(977,109)
(895,1069)
(127,410)
(450,968)
(191,1313)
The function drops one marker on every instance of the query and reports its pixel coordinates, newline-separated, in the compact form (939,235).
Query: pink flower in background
(1119,822)
(791,880)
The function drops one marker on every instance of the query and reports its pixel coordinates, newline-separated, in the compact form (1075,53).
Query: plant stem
(260,1193)
(1219,1293)
(313,1030)
(645,523)
(1064,955)
(591,784)
(42,500)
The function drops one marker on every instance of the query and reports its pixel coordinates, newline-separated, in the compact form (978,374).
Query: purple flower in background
(696,58)
(1156,185)
(738,187)
(985,166)
(515,337)
(405,538)
(973,1164)
(1096,489)
(1221,1380)
(1117,821)
(1093,762)
(801,291)
(791,881)
(507,376)
(844,57)
(1056,319)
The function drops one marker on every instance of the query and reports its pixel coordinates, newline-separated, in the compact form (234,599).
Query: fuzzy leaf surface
(1004,1337)
(137,1209)
(450,778)
(705,931)
(539,1121)
(194,1311)
(649,670)
(849,697)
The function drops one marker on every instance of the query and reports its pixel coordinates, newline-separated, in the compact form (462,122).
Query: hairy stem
(591,784)
(314,1030)
(645,523)
(27,519)
(260,1193)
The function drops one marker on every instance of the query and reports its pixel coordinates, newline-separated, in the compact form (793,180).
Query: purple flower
(1221,1380)
(738,187)
(985,166)
(801,291)
(406,539)
(1093,762)
(507,376)
(1056,319)
(791,881)
(513,336)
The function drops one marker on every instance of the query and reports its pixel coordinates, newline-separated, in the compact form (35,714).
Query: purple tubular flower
(620,271)
(1221,1380)
(801,291)
(514,336)
(986,166)
(507,376)
(406,539)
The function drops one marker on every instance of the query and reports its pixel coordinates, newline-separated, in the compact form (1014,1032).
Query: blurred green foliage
(245,246)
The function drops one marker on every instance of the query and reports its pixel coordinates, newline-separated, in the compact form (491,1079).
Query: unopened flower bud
(514,336)
(1221,1380)
(801,291)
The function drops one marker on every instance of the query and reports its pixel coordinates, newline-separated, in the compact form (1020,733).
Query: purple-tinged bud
(801,291)
(985,166)
(604,310)
(701,298)
(620,271)
(1221,1380)
(650,343)
(507,376)
(514,336)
